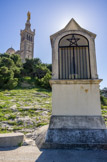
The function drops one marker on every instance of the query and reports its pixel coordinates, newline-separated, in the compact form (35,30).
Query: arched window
(31,39)
(73,59)
(27,37)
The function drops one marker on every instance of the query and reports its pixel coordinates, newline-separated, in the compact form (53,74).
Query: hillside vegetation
(23,105)
(103,98)
(13,71)
(24,109)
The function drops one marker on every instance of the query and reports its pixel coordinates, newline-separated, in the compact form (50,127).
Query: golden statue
(28,16)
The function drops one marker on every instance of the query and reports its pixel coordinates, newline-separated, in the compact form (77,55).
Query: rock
(14,108)
(12,100)
(47,102)
(41,94)
(39,135)
(25,130)
(44,113)
(7,115)
(25,85)
(10,129)
(26,120)
(28,107)
(28,142)
(7,94)
(4,126)
(42,109)
(28,135)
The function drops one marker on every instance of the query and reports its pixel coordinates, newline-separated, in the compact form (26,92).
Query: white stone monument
(76,110)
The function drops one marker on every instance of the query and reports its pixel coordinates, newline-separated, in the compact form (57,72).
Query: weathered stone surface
(79,147)
(11,139)
(79,139)
(80,99)
(40,136)
(76,132)
(28,141)
(77,122)
(73,136)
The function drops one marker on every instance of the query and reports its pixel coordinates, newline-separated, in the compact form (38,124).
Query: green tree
(16,59)
(34,68)
(49,66)
(10,69)
(8,62)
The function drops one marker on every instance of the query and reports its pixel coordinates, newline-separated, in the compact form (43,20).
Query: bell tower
(27,40)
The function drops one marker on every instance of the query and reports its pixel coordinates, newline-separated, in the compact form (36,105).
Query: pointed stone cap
(72,26)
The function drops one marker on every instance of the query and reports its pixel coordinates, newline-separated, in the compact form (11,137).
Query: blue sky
(48,17)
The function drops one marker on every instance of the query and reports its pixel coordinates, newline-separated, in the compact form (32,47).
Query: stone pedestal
(86,132)
(76,119)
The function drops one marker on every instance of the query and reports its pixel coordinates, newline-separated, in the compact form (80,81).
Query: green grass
(41,124)
(12,116)
(4,131)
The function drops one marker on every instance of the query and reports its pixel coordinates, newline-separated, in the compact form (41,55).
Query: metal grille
(74,61)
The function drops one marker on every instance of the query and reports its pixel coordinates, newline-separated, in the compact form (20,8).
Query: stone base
(72,138)
(48,145)
(77,122)
(11,139)
(76,132)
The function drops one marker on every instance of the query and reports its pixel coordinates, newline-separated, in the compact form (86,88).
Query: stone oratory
(76,110)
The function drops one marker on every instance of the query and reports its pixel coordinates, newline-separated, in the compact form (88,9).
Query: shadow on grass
(38,88)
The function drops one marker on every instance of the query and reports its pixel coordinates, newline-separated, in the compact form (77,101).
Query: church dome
(10,51)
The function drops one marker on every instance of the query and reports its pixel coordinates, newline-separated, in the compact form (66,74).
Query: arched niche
(73,57)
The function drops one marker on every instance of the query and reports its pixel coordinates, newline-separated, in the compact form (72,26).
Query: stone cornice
(75,81)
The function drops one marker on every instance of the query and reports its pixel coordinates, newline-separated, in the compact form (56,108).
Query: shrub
(43,82)
(41,71)
(49,66)
(12,83)
(103,100)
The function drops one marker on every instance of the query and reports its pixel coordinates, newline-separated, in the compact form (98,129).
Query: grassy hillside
(26,109)
(104,107)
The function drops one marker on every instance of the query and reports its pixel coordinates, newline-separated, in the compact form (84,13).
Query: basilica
(26,42)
